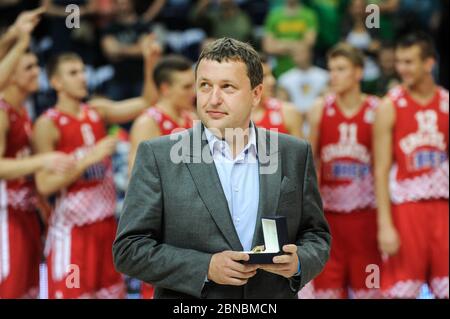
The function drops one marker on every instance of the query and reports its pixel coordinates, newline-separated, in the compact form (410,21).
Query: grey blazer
(175,216)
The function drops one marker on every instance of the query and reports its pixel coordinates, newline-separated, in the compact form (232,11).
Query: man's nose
(216,96)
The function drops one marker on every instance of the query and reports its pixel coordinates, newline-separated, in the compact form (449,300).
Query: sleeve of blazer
(314,237)
(138,249)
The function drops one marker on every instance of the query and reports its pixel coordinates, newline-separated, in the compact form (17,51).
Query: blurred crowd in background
(111,32)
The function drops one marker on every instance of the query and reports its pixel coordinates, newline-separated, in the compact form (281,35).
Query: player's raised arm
(45,135)
(127,110)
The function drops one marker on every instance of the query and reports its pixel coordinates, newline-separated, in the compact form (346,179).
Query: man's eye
(204,85)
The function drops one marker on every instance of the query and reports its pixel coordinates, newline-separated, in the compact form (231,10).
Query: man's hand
(284,265)
(27,21)
(105,147)
(388,240)
(58,162)
(151,50)
(225,268)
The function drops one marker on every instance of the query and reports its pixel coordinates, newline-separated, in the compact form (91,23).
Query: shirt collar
(218,145)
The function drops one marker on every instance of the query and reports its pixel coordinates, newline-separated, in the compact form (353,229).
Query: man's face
(70,78)
(386,59)
(302,56)
(410,65)
(123,6)
(343,74)
(269,81)
(181,89)
(224,95)
(26,74)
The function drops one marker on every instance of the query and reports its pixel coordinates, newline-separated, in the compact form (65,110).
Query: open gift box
(275,237)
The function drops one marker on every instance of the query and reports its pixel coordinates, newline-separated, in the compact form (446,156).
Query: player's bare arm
(15,168)
(314,117)
(293,119)
(127,110)
(388,239)
(151,52)
(45,136)
(10,61)
(143,128)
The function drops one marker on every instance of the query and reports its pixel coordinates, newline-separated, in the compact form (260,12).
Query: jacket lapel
(206,179)
(269,180)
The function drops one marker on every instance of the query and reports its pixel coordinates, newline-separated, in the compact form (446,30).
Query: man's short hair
(227,49)
(167,66)
(264,57)
(354,55)
(423,40)
(55,61)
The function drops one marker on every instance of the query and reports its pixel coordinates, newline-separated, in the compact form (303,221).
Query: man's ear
(429,64)
(55,83)
(257,94)
(164,88)
(359,73)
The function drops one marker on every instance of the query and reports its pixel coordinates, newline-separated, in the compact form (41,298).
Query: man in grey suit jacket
(188,217)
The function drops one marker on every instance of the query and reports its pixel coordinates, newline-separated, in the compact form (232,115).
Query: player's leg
(331,283)
(20,252)
(111,282)
(69,269)
(365,260)
(404,273)
(438,245)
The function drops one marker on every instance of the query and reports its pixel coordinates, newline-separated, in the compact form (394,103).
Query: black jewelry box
(275,233)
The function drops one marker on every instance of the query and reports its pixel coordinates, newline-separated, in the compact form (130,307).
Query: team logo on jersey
(402,102)
(276,118)
(427,134)
(93,116)
(330,111)
(347,147)
(167,125)
(63,120)
(425,148)
(443,106)
(27,128)
(369,116)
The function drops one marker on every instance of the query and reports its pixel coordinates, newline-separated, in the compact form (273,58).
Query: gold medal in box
(258,249)
(275,237)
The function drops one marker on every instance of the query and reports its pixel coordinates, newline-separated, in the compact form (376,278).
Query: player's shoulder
(165,143)
(372,101)
(443,92)
(284,142)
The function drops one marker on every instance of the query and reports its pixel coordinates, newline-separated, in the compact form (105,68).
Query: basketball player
(15,41)
(20,231)
(411,165)
(341,137)
(273,113)
(174,110)
(82,226)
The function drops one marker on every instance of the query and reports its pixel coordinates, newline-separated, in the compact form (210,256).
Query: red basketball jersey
(420,140)
(273,116)
(166,124)
(345,150)
(92,197)
(18,193)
